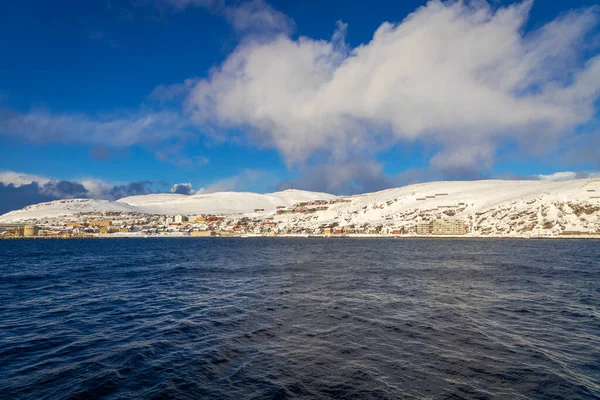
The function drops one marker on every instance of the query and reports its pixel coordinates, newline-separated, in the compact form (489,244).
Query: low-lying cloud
(18,190)
(182,188)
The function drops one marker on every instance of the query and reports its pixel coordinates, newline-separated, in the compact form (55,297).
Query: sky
(107,98)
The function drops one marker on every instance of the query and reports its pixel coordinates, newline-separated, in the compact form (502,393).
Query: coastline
(302,236)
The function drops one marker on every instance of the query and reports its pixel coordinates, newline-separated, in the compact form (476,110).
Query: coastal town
(121,224)
(435,209)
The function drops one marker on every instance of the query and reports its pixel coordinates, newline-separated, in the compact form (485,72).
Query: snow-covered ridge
(220,203)
(489,207)
(169,204)
(65,207)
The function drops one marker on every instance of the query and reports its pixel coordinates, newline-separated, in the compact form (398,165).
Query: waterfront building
(425,228)
(30,230)
(449,227)
(196,233)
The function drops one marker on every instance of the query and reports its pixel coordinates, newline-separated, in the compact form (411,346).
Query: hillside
(219,203)
(167,204)
(59,208)
(487,207)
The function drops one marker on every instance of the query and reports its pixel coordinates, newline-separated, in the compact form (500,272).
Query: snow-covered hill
(487,207)
(220,203)
(490,207)
(59,208)
(168,204)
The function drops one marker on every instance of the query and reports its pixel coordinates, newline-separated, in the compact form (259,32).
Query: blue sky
(254,95)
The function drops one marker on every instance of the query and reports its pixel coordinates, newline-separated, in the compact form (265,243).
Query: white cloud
(18,179)
(458,75)
(567,176)
(113,130)
(558,176)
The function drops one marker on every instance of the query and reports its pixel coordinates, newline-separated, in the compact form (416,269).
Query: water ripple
(299,318)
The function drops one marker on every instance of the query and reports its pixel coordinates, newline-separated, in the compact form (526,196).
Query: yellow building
(425,228)
(30,230)
(327,231)
(100,223)
(228,234)
(449,227)
(200,219)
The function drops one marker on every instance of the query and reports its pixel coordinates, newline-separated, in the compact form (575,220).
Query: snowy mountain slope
(487,207)
(170,204)
(219,203)
(491,207)
(67,207)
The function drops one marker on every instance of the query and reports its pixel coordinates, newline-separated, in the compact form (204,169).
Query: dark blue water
(299,318)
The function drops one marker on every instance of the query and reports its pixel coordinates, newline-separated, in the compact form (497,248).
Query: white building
(179,219)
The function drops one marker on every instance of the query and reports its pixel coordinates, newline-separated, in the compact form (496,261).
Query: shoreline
(300,236)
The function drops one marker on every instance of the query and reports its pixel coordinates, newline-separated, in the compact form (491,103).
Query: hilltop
(168,204)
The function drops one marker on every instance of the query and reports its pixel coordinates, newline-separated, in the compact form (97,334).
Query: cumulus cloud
(462,76)
(182,188)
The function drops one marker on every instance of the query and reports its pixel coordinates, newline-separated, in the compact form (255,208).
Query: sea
(283,318)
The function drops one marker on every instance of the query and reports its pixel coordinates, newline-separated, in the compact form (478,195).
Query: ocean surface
(300,318)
